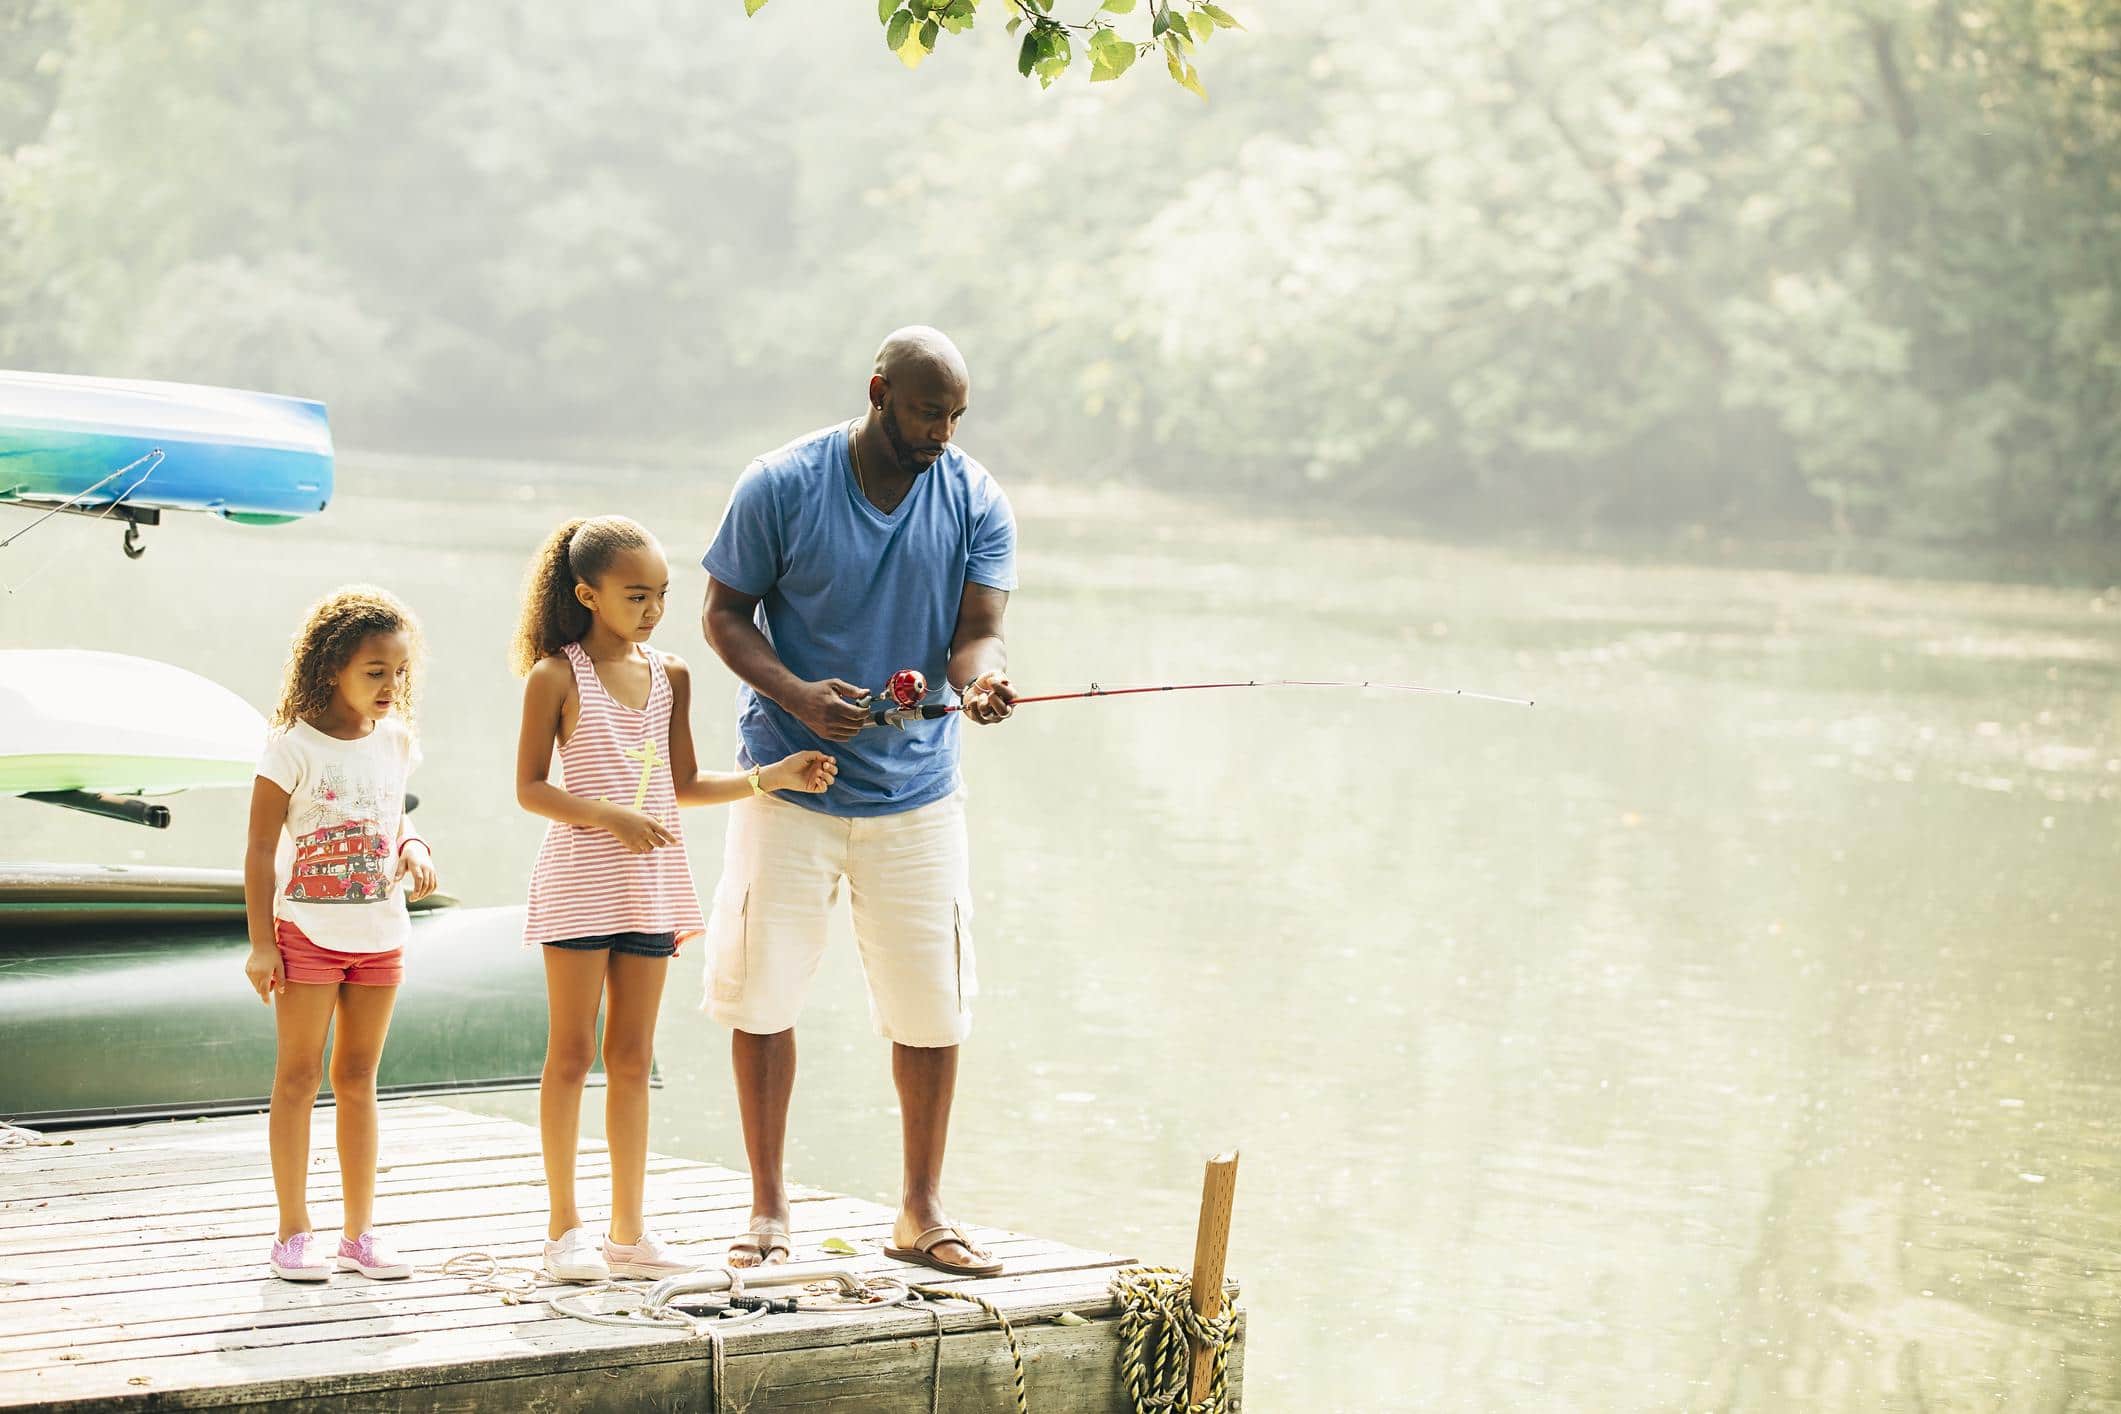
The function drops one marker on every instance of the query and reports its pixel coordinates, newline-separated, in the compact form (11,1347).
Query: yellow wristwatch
(756,788)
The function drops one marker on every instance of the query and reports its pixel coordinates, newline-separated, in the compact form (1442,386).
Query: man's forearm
(737,641)
(985,654)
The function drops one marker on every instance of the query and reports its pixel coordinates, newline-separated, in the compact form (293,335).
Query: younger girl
(327,926)
(611,894)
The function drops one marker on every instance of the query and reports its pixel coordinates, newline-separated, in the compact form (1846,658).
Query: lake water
(1736,1029)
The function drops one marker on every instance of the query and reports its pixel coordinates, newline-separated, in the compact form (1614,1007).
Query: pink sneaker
(297,1259)
(373,1258)
(650,1257)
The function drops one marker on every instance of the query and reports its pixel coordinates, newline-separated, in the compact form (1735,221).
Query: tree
(1781,266)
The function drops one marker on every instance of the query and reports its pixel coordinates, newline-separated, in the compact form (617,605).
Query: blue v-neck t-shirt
(846,591)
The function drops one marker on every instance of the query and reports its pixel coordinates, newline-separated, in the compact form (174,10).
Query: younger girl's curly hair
(577,553)
(335,626)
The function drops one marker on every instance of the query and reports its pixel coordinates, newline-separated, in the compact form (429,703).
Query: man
(851,553)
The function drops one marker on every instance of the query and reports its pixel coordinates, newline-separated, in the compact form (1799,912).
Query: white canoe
(76,719)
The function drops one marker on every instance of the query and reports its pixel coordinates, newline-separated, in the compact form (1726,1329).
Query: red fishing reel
(907,687)
(901,701)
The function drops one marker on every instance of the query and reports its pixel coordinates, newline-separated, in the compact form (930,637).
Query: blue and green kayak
(256,458)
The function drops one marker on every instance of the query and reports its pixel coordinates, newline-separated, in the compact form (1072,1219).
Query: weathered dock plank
(132,1274)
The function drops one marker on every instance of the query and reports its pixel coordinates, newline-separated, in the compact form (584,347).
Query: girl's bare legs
(301,1018)
(356,1049)
(574,985)
(636,985)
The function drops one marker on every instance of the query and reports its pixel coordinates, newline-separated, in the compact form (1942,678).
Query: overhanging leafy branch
(1177,29)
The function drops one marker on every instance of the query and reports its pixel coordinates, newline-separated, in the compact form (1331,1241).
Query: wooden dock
(132,1272)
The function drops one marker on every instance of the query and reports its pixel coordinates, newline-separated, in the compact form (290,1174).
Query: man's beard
(903,452)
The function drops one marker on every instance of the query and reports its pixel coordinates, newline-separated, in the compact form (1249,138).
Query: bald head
(916,395)
(919,347)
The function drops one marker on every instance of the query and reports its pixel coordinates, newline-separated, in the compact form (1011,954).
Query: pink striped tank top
(585,884)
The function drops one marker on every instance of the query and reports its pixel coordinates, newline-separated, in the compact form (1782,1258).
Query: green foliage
(1046,49)
(1654,265)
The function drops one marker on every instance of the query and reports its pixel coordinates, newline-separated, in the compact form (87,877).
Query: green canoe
(108,1015)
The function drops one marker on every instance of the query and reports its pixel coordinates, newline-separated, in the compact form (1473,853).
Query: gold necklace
(854,454)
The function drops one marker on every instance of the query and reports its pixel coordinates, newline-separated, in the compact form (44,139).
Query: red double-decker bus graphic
(340,862)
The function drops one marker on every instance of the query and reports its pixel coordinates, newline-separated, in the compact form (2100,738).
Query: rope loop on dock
(1158,1329)
(1016,1347)
(482,1271)
(14,1136)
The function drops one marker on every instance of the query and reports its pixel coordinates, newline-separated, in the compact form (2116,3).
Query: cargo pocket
(967,971)
(729,933)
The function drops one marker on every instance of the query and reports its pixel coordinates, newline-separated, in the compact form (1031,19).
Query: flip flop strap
(763,1238)
(935,1237)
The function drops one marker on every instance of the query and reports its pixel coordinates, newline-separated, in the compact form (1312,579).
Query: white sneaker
(574,1257)
(372,1257)
(650,1257)
(298,1259)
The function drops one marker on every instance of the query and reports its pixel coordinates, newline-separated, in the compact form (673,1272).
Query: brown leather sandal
(922,1253)
(765,1237)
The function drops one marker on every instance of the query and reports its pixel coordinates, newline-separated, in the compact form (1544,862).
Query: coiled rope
(1158,1329)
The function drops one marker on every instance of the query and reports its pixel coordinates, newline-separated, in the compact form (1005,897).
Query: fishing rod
(904,698)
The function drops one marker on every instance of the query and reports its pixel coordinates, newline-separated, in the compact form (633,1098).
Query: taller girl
(611,894)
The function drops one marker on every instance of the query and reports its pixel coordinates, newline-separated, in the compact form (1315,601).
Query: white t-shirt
(345,824)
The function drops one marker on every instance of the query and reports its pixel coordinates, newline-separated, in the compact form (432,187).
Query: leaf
(1222,17)
(959,10)
(1028,54)
(1069,1318)
(1055,53)
(1110,56)
(883,10)
(895,33)
(839,1247)
(1185,75)
(752,7)
(929,31)
(1118,7)
(1159,24)
(1179,27)
(1015,24)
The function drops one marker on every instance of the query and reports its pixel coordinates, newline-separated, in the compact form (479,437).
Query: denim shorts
(631,944)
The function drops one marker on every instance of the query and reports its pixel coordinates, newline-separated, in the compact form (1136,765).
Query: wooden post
(1211,1246)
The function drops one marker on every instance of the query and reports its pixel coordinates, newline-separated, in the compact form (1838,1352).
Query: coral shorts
(303,961)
